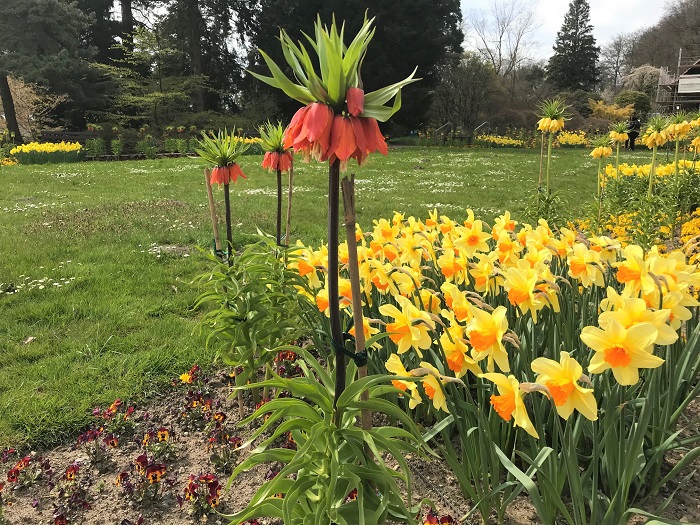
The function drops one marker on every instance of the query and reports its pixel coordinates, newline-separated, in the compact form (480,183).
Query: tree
(101,31)
(465,87)
(409,33)
(573,67)
(502,36)
(677,29)
(614,60)
(44,47)
(644,78)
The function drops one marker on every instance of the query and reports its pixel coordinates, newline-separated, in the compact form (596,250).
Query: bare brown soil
(107,504)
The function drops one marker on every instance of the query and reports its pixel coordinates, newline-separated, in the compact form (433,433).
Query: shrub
(640,100)
(95,147)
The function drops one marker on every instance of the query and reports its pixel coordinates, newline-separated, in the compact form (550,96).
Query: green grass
(120,324)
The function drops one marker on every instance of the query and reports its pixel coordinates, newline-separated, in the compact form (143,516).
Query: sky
(608,17)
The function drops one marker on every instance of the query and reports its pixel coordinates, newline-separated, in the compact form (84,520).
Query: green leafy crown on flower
(620,127)
(222,149)
(679,118)
(272,137)
(554,109)
(339,67)
(657,123)
(601,141)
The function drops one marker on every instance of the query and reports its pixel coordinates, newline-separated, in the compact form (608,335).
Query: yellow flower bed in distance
(458,298)
(643,170)
(572,139)
(48,152)
(46,147)
(498,141)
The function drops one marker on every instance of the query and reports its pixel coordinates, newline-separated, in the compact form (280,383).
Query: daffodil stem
(279,208)
(549,159)
(229,233)
(333,294)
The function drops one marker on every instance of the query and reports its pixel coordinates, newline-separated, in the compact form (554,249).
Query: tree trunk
(8,106)
(127,25)
(194,37)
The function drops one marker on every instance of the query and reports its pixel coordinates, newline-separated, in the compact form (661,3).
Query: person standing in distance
(633,127)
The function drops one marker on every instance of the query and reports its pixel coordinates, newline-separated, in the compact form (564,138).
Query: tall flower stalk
(618,136)
(677,130)
(222,152)
(655,135)
(553,114)
(337,122)
(277,159)
(601,150)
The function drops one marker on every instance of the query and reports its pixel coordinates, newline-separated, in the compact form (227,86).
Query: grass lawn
(110,312)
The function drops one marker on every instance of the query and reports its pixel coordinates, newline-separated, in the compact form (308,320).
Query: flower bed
(48,152)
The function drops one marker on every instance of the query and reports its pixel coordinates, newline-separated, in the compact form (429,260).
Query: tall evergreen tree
(574,65)
(44,45)
(409,33)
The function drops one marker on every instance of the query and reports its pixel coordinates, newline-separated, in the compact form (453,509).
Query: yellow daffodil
(430,301)
(485,332)
(453,266)
(584,265)
(457,351)
(623,350)
(509,401)
(507,249)
(472,239)
(411,326)
(456,300)
(395,366)
(561,378)
(433,387)
(520,285)
(486,279)
(631,311)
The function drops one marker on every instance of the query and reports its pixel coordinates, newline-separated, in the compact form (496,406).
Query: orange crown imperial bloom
(225,174)
(275,161)
(355,98)
(337,120)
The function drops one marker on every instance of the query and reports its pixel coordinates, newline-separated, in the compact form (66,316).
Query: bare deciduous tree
(614,60)
(502,34)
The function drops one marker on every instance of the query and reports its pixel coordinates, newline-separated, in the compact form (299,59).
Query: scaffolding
(682,90)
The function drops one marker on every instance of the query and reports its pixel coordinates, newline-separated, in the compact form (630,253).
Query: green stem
(652,172)
(549,159)
(333,293)
(229,233)
(279,208)
(600,193)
